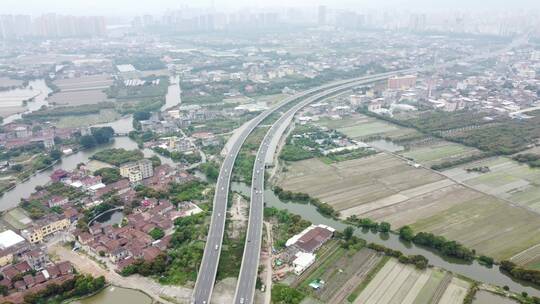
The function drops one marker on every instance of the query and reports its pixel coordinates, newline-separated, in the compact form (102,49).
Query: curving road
(208,268)
(245,289)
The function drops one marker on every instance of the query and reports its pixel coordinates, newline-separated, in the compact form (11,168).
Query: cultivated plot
(490,226)
(506,179)
(348,184)
(385,188)
(439,152)
(346,270)
(359,126)
(397,283)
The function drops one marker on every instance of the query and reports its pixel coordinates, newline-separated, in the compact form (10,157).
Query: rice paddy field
(497,213)
(490,226)
(359,127)
(403,284)
(104,116)
(384,188)
(439,152)
(506,179)
(77,98)
(347,184)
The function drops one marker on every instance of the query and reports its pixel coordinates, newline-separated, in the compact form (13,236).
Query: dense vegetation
(419,261)
(439,243)
(517,272)
(79,286)
(98,136)
(157,233)
(211,170)
(177,156)
(288,225)
(367,223)
(323,208)
(530,159)
(118,156)
(295,153)
(348,155)
(69,111)
(189,191)
(180,263)
(460,161)
(243,167)
(108,175)
(283,294)
(500,136)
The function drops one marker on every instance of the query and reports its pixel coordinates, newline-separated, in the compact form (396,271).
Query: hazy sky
(132,7)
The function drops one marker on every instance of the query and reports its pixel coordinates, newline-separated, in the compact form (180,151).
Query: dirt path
(238,216)
(173,294)
(267,292)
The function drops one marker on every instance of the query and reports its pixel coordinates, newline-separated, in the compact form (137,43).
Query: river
(472,270)
(11,198)
(123,125)
(173,97)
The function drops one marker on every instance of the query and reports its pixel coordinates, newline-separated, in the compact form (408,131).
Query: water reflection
(116,295)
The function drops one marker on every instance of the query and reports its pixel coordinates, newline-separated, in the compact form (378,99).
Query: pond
(111,217)
(116,295)
(472,270)
(385,145)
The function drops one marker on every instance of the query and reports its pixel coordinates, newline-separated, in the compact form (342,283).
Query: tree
(87,141)
(140,115)
(384,227)
(211,170)
(3,290)
(348,233)
(17,167)
(157,233)
(406,233)
(102,135)
(55,154)
(283,294)
(156,161)
(108,175)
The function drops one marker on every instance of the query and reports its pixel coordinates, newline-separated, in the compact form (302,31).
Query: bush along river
(473,270)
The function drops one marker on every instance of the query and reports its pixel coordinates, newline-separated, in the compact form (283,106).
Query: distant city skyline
(129,8)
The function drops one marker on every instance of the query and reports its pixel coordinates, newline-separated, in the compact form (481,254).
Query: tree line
(323,208)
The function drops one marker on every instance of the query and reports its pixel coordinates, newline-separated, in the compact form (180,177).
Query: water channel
(472,270)
(124,125)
